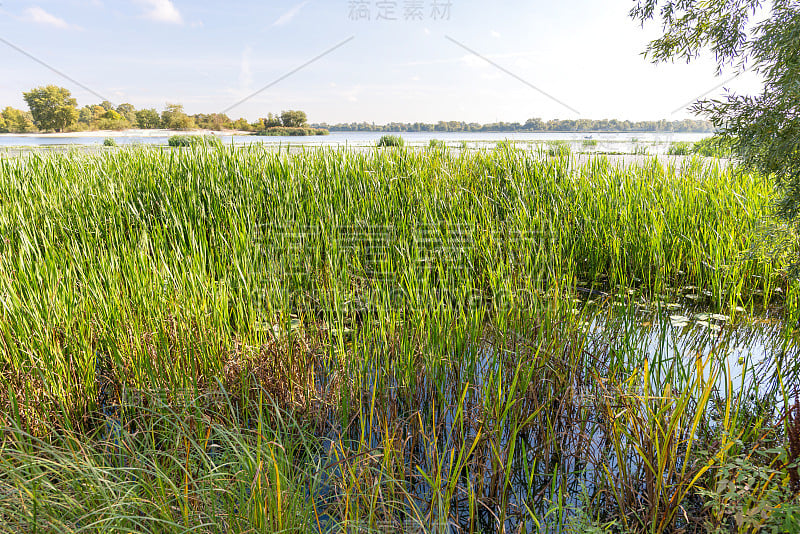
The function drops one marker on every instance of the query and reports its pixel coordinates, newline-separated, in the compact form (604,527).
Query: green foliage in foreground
(714,147)
(194,140)
(764,128)
(236,340)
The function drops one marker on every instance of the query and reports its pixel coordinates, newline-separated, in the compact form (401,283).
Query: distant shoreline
(168,133)
(129,133)
(586,132)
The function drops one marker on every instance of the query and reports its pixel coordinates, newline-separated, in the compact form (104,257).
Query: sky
(351,61)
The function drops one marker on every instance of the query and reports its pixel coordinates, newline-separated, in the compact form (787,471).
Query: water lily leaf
(710,326)
(679,321)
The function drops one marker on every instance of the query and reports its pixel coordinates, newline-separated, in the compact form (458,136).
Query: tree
(86,115)
(147,119)
(97,112)
(111,120)
(18,121)
(214,121)
(293,119)
(272,121)
(3,125)
(112,115)
(764,129)
(534,124)
(241,124)
(53,108)
(174,118)
(127,111)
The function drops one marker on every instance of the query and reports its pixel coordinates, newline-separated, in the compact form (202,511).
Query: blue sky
(210,55)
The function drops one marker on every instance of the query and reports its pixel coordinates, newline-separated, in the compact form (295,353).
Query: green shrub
(436,143)
(291,131)
(194,140)
(590,142)
(751,493)
(109,141)
(681,148)
(391,140)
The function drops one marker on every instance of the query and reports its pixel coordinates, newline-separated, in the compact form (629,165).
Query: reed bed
(229,339)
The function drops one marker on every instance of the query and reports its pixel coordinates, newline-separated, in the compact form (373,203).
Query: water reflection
(514,432)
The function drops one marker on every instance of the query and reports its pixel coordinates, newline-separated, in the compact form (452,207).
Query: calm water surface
(655,143)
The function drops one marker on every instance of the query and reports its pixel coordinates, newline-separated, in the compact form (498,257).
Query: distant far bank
(137,132)
(133,132)
(536,125)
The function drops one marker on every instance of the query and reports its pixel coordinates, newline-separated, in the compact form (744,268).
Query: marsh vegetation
(232,339)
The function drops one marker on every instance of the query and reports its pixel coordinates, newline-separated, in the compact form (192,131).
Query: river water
(653,143)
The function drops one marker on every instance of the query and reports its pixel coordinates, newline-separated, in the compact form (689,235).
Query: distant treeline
(53,109)
(531,125)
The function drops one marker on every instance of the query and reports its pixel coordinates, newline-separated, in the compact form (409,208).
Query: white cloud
(40,16)
(287,17)
(162,11)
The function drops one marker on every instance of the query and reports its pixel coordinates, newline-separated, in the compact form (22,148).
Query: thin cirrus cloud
(162,11)
(287,17)
(40,16)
